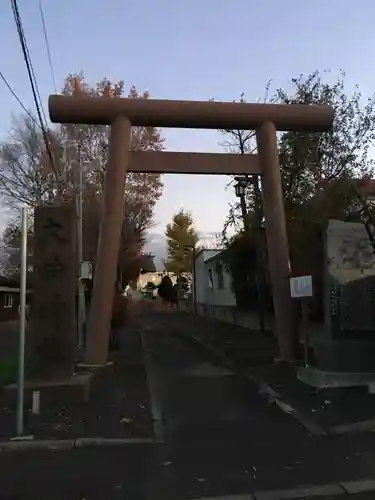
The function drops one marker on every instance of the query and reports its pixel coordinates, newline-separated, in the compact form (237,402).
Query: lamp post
(81,285)
(194,281)
(193,248)
(240,191)
(22,324)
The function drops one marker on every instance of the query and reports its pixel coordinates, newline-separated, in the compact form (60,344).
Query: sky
(192,50)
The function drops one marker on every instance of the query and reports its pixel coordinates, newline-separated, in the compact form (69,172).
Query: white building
(212,281)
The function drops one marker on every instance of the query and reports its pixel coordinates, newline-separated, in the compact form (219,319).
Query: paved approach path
(220,437)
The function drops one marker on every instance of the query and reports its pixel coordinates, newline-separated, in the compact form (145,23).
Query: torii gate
(123,113)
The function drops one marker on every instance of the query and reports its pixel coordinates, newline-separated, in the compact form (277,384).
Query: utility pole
(81,286)
(240,191)
(194,281)
(22,325)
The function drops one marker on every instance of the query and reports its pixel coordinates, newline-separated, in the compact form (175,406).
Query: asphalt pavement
(132,472)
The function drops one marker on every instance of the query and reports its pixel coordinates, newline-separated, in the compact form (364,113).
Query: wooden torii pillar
(123,113)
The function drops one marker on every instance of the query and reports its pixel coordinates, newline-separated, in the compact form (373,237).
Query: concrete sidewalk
(223,438)
(332,411)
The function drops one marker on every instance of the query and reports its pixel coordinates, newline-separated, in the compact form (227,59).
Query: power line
(27,58)
(18,100)
(32,79)
(47,45)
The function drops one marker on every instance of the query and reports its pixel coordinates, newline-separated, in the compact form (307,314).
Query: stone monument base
(85,367)
(344,355)
(329,379)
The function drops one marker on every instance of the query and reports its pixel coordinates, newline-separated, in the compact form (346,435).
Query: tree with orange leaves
(27,175)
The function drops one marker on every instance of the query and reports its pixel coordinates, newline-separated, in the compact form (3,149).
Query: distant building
(10,297)
(148,273)
(154,278)
(213,281)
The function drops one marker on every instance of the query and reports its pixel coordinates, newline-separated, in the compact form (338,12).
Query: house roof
(202,250)
(13,280)
(216,256)
(7,289)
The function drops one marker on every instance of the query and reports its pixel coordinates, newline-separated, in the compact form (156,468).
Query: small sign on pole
(86,270)
(35,409)
(301,287)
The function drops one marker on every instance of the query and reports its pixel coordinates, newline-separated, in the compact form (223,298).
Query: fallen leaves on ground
(126,420)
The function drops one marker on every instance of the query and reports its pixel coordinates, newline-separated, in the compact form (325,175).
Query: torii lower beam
(121,114)
(171,162)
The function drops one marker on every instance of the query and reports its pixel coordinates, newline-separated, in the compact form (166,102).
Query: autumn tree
(11,244)
(4,256)
(28,176)
(182,238)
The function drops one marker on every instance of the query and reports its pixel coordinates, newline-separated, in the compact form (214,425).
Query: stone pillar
(277,239)
(109,244)
(52,337)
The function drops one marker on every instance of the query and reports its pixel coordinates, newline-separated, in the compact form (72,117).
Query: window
(8,301)
(210,279)
(220,275)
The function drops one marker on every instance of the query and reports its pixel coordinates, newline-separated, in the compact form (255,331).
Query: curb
(344,490)
(266,391)
(69,444)
(93,442)
(32,445)
(353,427)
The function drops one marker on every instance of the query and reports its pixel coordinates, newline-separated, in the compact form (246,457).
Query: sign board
(86,270)
(301,286)
(349,280)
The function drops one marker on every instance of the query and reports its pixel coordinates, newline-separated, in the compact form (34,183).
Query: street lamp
(240,191)
(194,254)
(81,284)
(240,187)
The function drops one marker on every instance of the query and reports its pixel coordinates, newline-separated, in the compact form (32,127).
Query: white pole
(22,325)
(81,286)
